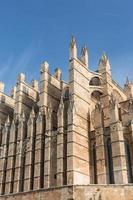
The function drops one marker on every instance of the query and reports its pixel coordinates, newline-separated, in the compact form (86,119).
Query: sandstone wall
(90,192)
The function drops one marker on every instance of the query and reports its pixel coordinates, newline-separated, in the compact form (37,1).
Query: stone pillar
(29,154)
(118,147)
(100,145)
(47,148)
(11,159)
(4,155)
(39,152)
(20,155)
(60,144)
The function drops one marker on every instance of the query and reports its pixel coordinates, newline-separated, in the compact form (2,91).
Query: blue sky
(32,31)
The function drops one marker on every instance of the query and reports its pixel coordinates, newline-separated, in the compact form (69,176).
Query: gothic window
(128,161)
(93,163)
(110,161)
(95,81)
(96,94)
(54,121)
(66,94)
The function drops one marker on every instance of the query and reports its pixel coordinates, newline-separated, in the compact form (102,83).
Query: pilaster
(29,154)
(20,154)
(39,152)
(11,158)
(47,148)
(4,155)
(60,144)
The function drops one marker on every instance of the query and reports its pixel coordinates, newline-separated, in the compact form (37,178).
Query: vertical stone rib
(20,155)
(60,144)
(39,152)
(29,154)
(5,143)
(47,148)
(11,158)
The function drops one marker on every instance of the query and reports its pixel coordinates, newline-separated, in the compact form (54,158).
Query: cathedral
(67,140)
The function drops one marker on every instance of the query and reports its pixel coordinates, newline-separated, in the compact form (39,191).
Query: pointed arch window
(110,161)
(128,161)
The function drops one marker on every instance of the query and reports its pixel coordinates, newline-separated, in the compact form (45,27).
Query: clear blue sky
(32,31)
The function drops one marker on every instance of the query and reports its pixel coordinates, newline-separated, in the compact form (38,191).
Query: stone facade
(56,134)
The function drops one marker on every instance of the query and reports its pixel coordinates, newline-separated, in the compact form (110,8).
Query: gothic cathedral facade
(67,138)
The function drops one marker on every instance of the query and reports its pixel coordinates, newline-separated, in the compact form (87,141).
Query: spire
(104,64)
(73,41)
(84,55)
(127,81)
(73,48)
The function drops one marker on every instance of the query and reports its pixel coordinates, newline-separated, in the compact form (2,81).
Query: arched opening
(96,95)
(53,153)
(110,161)
(66,94)
(93,159)
(94,163)
(95,81)
(128,161)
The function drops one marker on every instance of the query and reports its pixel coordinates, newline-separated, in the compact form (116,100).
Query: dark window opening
(110,161)
(128,161)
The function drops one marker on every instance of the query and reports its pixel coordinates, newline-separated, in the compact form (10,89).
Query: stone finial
(127,81)
(44,67)
(34,84)
(2,86)
(58,73)
(21,77)
(73,41)
(84,55)
(73,48)
(13,92)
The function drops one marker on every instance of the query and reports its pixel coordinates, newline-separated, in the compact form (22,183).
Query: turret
(84,56)
(73,48)
(104,65)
